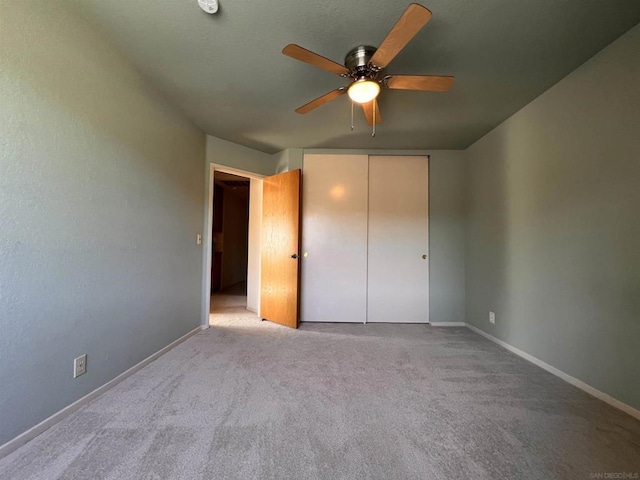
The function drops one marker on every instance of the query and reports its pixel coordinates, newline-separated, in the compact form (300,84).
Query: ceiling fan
(363,64)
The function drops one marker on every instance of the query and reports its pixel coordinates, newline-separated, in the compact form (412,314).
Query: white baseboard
(46,424)
(634,412)
(448,324)
(331,321)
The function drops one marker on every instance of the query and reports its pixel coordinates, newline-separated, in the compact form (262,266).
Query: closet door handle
(295,255)
(425,256)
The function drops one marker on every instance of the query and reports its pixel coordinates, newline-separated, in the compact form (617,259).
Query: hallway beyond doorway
(229,303)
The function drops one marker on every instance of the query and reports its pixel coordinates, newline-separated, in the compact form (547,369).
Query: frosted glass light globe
(363,90)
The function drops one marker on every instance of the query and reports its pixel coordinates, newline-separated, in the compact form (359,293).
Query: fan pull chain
(352,115)
(374,118)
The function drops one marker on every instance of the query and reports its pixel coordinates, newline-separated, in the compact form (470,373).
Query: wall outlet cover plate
(79,365)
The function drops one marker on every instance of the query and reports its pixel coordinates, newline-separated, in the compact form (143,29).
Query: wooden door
(398,276)
(280,248)
(334,238)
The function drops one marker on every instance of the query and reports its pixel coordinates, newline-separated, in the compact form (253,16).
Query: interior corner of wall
(281,160)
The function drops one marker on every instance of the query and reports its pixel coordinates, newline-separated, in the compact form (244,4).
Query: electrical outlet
(198,239)
(79,365)
(492,317)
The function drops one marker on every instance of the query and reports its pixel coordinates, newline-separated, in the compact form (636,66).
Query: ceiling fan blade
(412,20)
(433,83)
(304,55)
(368,111)
(327,97)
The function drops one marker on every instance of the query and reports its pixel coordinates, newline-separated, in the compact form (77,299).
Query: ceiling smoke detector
(209,6)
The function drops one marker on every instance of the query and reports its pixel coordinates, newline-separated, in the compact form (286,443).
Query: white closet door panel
(334,235)
(398,276)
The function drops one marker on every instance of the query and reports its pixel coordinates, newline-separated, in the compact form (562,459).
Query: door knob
(424,257)
(295,255)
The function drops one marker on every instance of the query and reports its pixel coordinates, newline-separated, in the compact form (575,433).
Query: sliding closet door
(398,277)
(334,238)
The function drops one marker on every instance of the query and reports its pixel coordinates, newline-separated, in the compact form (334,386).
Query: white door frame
(206,237)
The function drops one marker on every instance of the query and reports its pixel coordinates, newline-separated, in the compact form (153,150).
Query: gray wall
(447,236)
(446,229)
(288,159)
(236,156)
(101,187)
(553,240)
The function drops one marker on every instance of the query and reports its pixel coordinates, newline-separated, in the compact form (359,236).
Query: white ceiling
(226,72)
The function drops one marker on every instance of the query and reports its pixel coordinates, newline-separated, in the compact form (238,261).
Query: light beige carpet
(250,399)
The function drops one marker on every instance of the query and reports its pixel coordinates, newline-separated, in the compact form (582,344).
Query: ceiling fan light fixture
(363,90)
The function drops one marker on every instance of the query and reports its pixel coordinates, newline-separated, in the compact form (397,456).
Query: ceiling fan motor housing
(357,61)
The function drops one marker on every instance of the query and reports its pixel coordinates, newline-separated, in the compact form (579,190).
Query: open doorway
(234,245)
(229,244)
(272,277)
